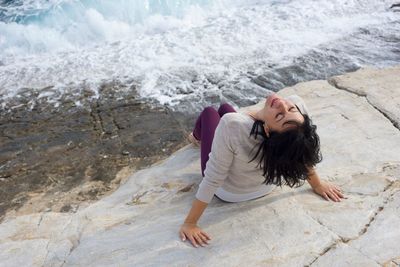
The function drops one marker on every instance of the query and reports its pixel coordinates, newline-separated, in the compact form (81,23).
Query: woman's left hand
(329,191)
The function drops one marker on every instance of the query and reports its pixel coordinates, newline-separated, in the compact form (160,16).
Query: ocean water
(188,54)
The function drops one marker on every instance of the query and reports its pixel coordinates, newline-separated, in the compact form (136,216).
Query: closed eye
(292,109)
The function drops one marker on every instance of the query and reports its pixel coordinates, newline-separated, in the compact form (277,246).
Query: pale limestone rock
(380,86)
(138,224)
(152,240)
(381,241)
(348,217)
(354,135)
(342,255)
(29,252)
(368,183)
(34,226)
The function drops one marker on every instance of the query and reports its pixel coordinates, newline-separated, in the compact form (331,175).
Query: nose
(281,104)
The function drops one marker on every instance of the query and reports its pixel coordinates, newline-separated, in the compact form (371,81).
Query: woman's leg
(204,131)
(225,108)
(205,127)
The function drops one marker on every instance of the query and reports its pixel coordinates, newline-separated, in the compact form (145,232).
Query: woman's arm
(216,172)
(313,178)
(189,228)
(325,189)
(196,211)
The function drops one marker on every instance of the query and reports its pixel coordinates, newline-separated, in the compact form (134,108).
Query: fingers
(338,192)
(203,238)
(328,196)
(330,192)
(206,235)
(182,235)
(193,241)
(331,195)
(334,196)
(337,188)
(197,239)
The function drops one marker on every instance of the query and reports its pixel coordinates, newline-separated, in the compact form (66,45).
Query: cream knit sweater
(228,165)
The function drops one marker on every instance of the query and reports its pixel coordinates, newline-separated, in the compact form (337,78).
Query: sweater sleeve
(219,162)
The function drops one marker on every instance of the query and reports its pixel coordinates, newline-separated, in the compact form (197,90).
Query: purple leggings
(205,127)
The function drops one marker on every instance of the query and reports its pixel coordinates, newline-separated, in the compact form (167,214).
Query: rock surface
(137,225)
(371,83)
(55,158)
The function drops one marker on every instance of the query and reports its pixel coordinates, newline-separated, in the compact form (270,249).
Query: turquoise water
(64,12)
(79,22)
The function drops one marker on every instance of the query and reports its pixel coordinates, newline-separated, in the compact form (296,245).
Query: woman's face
(281,114)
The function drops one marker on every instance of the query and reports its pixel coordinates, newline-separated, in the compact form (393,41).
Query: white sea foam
(172,51)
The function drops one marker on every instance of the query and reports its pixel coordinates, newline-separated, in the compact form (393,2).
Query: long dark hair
(285,156)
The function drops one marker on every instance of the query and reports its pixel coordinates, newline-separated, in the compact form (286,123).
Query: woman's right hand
(196,236)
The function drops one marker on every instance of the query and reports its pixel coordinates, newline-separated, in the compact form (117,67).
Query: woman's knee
(225,108)
(209,112)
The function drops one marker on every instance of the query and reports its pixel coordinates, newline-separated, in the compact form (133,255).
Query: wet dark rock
(49,149)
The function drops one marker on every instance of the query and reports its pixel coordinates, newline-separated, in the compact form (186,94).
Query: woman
(252,153)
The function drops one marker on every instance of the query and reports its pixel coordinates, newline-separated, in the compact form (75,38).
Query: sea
(187,54)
